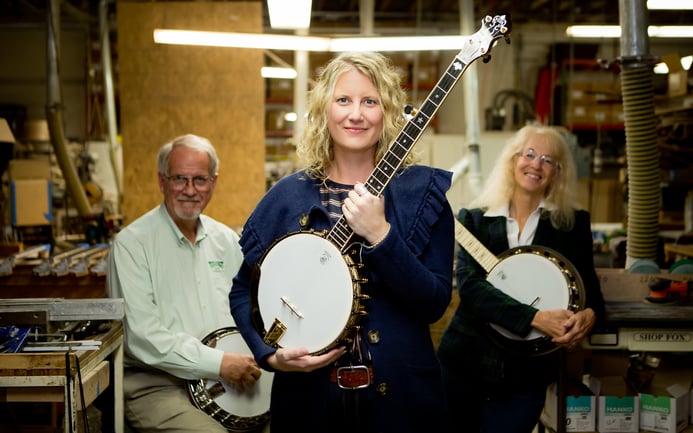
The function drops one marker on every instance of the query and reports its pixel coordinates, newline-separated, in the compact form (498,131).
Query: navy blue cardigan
(410,284)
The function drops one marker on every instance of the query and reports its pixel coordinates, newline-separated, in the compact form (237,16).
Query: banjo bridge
(292,307)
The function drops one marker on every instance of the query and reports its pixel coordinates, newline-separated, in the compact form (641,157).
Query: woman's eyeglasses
(531,155)
(200,183)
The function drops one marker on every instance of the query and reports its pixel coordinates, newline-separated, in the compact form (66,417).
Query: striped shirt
(332,195)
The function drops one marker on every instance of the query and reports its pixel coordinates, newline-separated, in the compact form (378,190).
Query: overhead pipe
(54,112)
(116,153)
(642,155)
(471,106)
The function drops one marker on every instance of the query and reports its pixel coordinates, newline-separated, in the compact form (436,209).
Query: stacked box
(581,408)
(665,410)
(31,192)
(618,406)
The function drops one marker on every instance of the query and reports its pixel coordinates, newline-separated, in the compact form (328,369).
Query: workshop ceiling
(390,16)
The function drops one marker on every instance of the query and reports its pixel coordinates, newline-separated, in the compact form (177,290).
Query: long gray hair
(560,196)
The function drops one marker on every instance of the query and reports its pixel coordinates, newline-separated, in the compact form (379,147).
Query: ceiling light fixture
(308,43)
(278,72)
(670,4)
(289,14)
(610,31)
(241,40)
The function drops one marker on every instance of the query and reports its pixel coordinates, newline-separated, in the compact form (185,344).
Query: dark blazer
(466,343)
(410,284)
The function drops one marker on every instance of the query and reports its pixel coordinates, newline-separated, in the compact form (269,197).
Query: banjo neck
(477,45)
(474,247)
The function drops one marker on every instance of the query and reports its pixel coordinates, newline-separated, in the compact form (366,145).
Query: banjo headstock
(479,44)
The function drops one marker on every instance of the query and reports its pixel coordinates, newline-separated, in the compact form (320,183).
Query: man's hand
(239,370)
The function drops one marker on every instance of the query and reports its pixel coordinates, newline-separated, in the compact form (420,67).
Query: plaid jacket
(466,343)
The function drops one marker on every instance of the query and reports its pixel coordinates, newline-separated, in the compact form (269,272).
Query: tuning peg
(486,58)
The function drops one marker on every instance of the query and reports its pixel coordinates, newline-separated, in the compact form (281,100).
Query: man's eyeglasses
(200,183)
(531,155)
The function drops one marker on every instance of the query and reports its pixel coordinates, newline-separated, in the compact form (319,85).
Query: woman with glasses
(499,384)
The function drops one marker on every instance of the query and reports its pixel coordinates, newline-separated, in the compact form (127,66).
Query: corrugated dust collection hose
(644,195)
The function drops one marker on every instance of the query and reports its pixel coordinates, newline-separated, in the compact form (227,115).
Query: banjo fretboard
(475,248)
(478,45)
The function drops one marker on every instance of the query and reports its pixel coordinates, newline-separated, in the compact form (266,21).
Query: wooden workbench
(55,377)
(673,251)
(23,284)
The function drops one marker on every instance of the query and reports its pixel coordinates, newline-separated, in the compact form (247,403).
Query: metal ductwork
(116,153)
(54,112)
(644,195)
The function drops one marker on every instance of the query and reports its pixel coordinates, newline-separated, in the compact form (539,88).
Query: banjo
(534,275)
(238,412)
(307,291)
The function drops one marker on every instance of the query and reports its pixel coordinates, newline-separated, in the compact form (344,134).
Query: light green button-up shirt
(175,293)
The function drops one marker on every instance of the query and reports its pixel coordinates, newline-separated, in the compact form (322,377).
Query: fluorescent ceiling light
(308,43)
(277,72)
(289,14)
(241,40)
(399,43)
(615,31)
(593,31)
(670,4)
(670,31)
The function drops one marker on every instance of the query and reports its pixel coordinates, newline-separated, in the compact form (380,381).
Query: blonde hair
(560,196)
(314,149)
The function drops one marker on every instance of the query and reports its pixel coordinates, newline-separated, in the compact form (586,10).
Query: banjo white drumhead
(306,284)
(531,279)
(253,401)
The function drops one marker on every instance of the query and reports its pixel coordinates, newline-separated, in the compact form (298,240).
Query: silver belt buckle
(347,382)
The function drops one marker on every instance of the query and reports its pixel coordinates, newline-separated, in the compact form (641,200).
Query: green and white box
(619,406)
(665,410)
(581,408)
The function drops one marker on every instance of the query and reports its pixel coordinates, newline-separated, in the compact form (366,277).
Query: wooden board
(170,90)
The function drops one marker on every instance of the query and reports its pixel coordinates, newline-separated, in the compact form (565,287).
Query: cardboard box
(590,113)
(678,77)
(619,285)
(665,410)
(618,406)
(581,408)
(6,135)
(607,200)
(29,169)
(31,202)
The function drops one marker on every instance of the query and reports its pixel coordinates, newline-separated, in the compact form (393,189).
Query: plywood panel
(169,90)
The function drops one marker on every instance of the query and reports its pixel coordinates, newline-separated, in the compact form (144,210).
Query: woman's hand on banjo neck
(300,359)
(365,214)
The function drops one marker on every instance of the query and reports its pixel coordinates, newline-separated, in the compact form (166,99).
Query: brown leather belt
(352,376)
